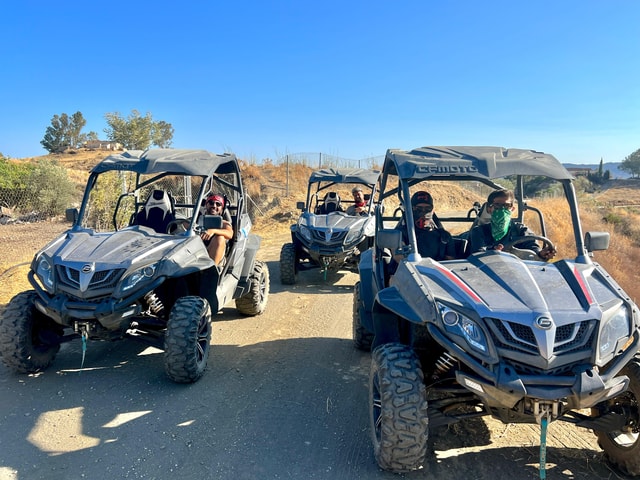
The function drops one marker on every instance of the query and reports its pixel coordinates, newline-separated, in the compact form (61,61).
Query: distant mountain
(615,172)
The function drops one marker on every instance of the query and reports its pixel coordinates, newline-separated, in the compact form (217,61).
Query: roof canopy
(472,162)
(345,175)
(167,160)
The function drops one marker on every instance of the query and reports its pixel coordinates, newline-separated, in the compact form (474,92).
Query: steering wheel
(176,227)
(546,243)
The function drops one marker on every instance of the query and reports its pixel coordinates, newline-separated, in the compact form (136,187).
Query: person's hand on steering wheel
(547,253)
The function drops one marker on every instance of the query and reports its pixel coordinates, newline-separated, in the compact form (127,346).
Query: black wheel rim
(203,338)
(627,405)
(376,407)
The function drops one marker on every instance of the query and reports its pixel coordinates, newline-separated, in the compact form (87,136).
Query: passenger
(432,239)
(504,229)
(216,239)
(360,205)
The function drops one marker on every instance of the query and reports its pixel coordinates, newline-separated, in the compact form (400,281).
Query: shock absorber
(444,363)
(155,304)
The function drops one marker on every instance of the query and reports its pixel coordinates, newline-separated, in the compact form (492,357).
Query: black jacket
(482,240)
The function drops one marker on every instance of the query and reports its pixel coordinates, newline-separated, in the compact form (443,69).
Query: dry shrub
(622,257)
(623,253)
(558,225)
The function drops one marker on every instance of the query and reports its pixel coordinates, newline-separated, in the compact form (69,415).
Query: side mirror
(300,205)
(389,238)
(71,215)
(596,241)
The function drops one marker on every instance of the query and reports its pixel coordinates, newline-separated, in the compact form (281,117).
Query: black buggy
(133,265)
(499,333)
(325,236)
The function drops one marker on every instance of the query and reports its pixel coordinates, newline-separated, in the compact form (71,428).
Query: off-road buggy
(325,236)
(499,333)
(133,264)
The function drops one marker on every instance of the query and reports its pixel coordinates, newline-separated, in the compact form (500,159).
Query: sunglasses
(215,204)
(502,206)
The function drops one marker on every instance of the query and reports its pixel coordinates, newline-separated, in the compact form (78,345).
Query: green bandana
(500,221)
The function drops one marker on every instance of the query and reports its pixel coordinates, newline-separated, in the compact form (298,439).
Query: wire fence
(323,160)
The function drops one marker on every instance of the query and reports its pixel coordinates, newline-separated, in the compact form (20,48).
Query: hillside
(612,167)
(610,207)
(267,183)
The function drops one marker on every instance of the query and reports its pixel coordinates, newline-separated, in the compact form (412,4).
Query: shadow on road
(294,408)
(313,281)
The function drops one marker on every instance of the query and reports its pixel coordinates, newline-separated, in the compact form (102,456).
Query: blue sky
(349,78)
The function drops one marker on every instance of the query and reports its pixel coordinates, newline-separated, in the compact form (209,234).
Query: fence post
(287,157)
(320,160)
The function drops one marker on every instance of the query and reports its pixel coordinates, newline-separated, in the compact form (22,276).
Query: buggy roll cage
(328,177)
(478,164)
(163,163)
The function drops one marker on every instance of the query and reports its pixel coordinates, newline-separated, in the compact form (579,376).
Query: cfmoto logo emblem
(544,323)
(87,268)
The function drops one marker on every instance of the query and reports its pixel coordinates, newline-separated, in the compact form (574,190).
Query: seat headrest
(158,199)
(484,217)
(331,201)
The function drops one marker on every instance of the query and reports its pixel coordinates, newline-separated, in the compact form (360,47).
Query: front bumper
(110,313)
(504,388)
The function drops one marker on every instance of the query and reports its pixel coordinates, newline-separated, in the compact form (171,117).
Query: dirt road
(285,396)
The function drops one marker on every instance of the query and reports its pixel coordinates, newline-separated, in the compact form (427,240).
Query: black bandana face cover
(423,216)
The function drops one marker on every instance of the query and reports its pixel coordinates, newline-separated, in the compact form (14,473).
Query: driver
(359,206)
(216,239)
(504,229)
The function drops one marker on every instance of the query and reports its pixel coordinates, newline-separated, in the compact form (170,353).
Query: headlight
(614,328)
(370,227)
(140,275)
(304,231)
(352,236)
(458,324)
(44,271)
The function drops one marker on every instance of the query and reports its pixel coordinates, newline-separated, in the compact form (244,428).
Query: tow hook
(325,267)
(545,410)
(82,328)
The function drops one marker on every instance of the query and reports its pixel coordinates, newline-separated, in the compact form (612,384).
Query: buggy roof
(168,160)
(345,175)
(472,162)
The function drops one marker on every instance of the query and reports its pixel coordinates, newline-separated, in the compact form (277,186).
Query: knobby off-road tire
(29,341)
(288,264)
(362,338)
(398,408)
(622,448)
(187,339)
(255,300)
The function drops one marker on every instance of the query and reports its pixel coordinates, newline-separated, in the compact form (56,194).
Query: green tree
(631,164)
(64,132)
(137,132)
(74,134)
(92,135)
(162,133)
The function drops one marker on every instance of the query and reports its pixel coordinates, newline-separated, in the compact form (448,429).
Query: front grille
(333,237)
(514,336)
(569,339)
(100,280)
